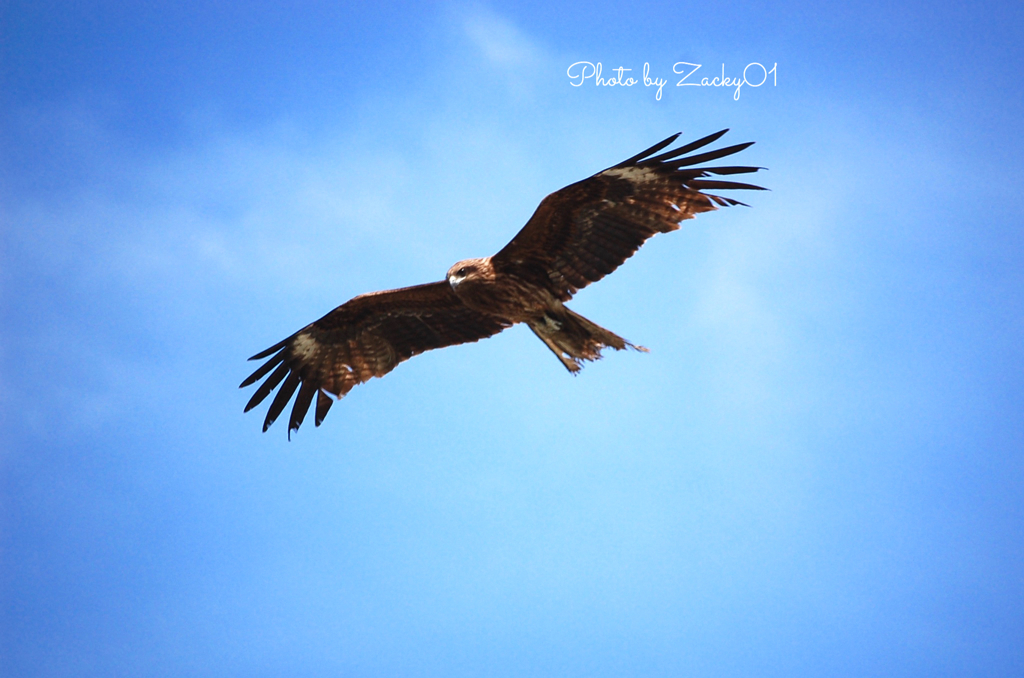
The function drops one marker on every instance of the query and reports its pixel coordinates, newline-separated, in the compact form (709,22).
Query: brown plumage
(577,236)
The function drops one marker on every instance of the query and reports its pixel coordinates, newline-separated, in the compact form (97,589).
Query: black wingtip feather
(723,185)
(301,406)
(650,151)
(266,387)
(722,201)
(258,374)
(692,146)
(273,349)
(281,399)
(709,156)
(323,404)
(732,170)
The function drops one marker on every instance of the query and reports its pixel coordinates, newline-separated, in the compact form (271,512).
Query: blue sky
(817,470)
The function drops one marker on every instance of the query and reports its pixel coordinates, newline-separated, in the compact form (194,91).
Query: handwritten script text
(753,75)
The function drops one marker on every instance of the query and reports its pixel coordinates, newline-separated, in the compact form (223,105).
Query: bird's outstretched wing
(586,230)
(363,338)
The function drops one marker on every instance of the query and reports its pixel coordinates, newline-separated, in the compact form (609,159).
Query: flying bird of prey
(577,236)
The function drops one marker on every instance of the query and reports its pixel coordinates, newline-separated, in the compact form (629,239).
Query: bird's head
(468,270)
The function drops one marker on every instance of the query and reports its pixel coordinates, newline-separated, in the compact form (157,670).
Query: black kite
(577,236)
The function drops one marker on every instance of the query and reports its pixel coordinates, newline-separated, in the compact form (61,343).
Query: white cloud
(500,41)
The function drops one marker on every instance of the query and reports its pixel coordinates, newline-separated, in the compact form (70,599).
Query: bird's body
(525,295)
(577,236)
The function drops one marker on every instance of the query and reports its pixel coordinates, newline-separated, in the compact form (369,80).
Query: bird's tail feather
(573,338)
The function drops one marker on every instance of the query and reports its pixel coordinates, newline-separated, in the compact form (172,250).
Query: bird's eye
(461,272)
